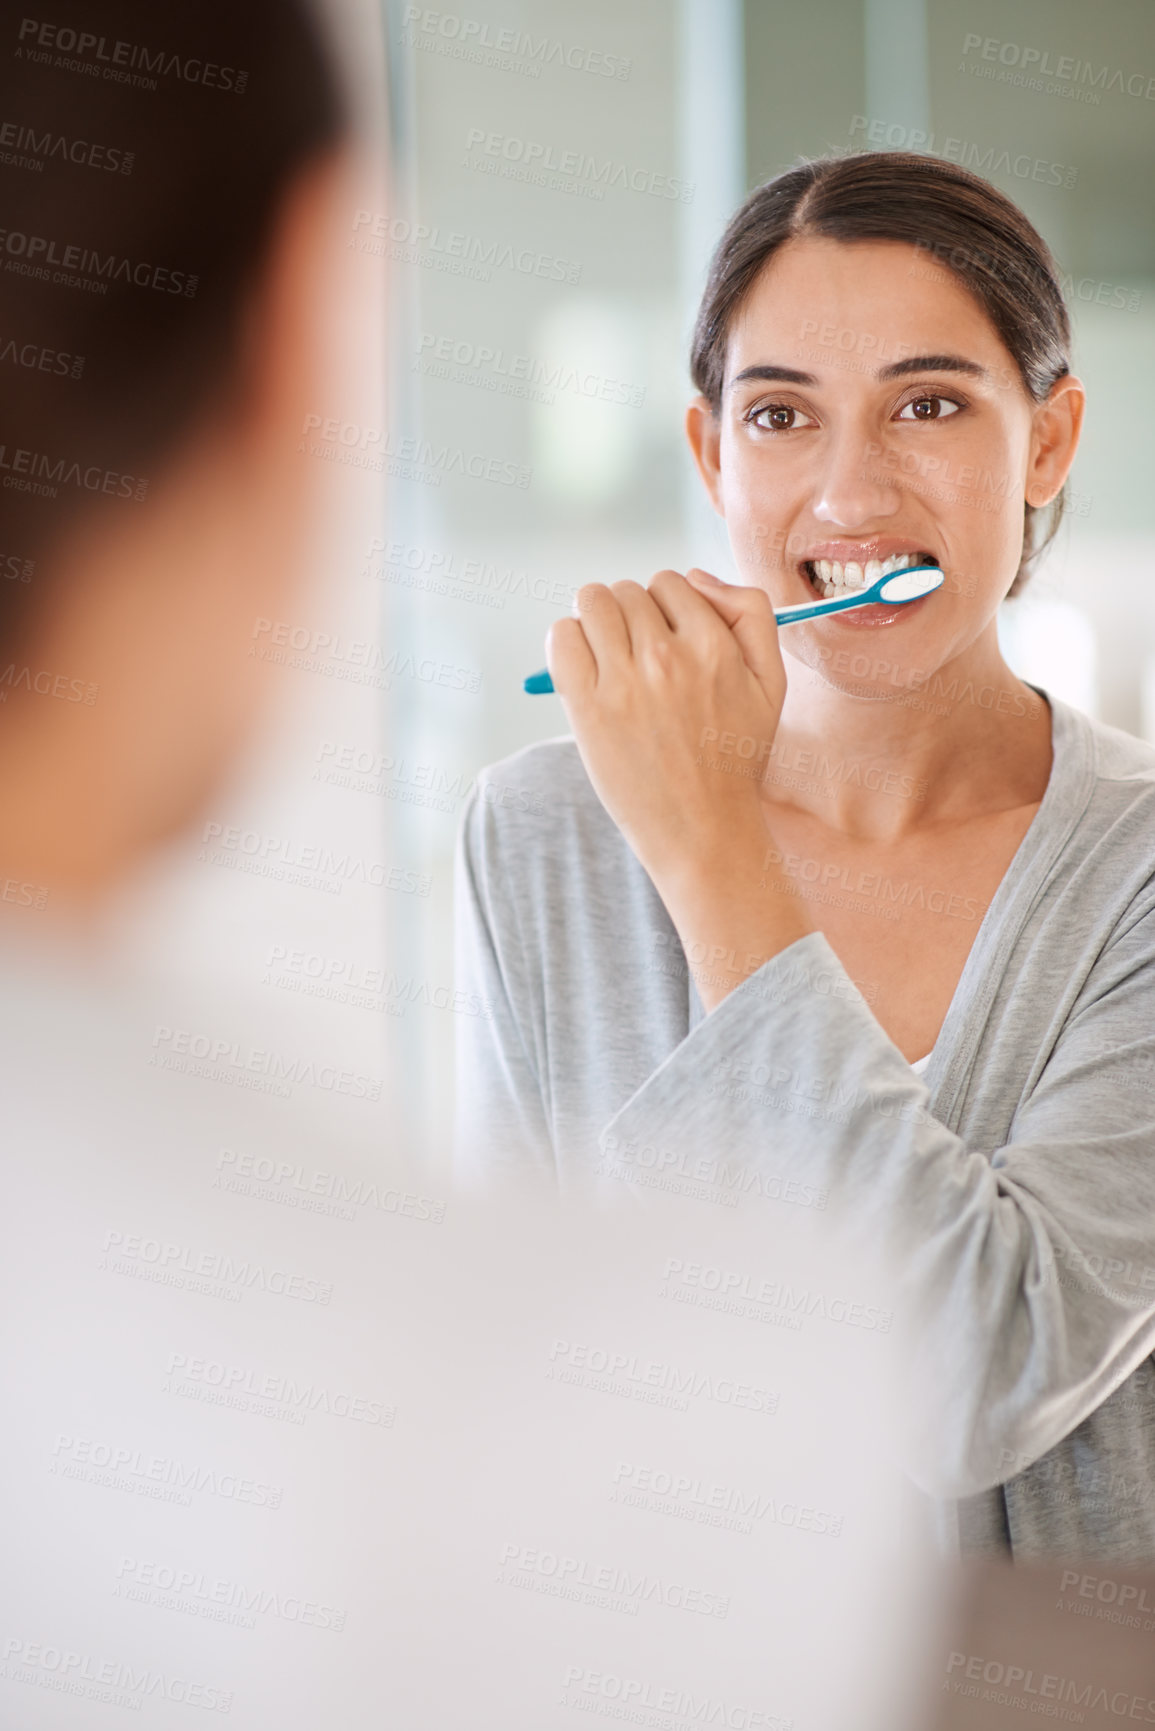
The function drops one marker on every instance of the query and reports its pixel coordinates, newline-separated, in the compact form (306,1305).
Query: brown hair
(955,217)
(126,262)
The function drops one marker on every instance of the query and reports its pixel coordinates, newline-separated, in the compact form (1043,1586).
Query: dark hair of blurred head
(144,153)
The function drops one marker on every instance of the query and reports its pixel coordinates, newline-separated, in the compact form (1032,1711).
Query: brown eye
(929,409)
(780,418)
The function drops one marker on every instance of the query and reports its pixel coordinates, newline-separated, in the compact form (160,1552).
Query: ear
(1054,439)
(704,431)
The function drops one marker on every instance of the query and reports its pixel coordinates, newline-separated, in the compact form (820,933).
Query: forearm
(794,1079)
(731,918)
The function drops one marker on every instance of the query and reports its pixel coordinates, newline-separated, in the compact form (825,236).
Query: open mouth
(829,578)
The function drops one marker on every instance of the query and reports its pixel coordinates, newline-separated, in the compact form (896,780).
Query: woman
(914,894)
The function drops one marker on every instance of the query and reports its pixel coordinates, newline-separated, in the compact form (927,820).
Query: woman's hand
(674,694)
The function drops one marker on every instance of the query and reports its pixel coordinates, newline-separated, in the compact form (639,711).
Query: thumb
(750,616)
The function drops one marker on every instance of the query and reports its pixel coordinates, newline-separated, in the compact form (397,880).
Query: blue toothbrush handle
(815,609)
(538,684)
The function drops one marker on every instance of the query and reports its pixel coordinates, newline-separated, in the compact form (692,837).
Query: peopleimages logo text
(41,251)
(1036,63)
(116,59)
(477,39)
(575,166)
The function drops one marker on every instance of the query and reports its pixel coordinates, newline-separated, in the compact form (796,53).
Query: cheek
(987,468)
(759,509)
(762,547)
(985,515)
(749,471)
(764,489)
(751,499)
(971,485)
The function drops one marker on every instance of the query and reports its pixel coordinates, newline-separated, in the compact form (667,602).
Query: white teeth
(834,578)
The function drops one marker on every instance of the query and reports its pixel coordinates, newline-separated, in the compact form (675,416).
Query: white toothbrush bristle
(835,580)
(909,585)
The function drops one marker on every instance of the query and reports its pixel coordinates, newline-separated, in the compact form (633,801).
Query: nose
(853,489)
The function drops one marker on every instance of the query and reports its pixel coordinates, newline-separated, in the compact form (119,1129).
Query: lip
(873,617)
(877,547)
(880,547)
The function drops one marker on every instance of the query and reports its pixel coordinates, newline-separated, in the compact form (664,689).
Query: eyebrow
(897,370)
(933,364)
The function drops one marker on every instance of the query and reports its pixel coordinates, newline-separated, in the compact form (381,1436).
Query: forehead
(883,299)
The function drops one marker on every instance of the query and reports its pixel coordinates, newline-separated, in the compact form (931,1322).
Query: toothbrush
(897,589)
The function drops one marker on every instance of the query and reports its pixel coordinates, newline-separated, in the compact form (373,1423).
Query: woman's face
(870,412)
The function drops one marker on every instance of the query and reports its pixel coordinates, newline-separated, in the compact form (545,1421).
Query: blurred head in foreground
(169,186)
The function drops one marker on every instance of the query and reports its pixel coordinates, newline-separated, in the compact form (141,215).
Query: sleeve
(1028,1269)
(501,1128)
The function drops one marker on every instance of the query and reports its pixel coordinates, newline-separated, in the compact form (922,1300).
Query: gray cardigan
(1015,1180)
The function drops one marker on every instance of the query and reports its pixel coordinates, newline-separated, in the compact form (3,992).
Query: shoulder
(544,779)
(541,860)
(534,815)
(1104,824)
(1100,758)
(1120,756)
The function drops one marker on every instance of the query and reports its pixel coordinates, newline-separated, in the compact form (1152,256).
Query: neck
(972,737)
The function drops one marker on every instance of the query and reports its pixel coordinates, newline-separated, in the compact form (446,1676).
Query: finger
(750,616)
(604,625)
(685,609)
(728,599)
(645,621)
(570,659)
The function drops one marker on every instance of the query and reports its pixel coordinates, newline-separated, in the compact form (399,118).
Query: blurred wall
(545,226)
